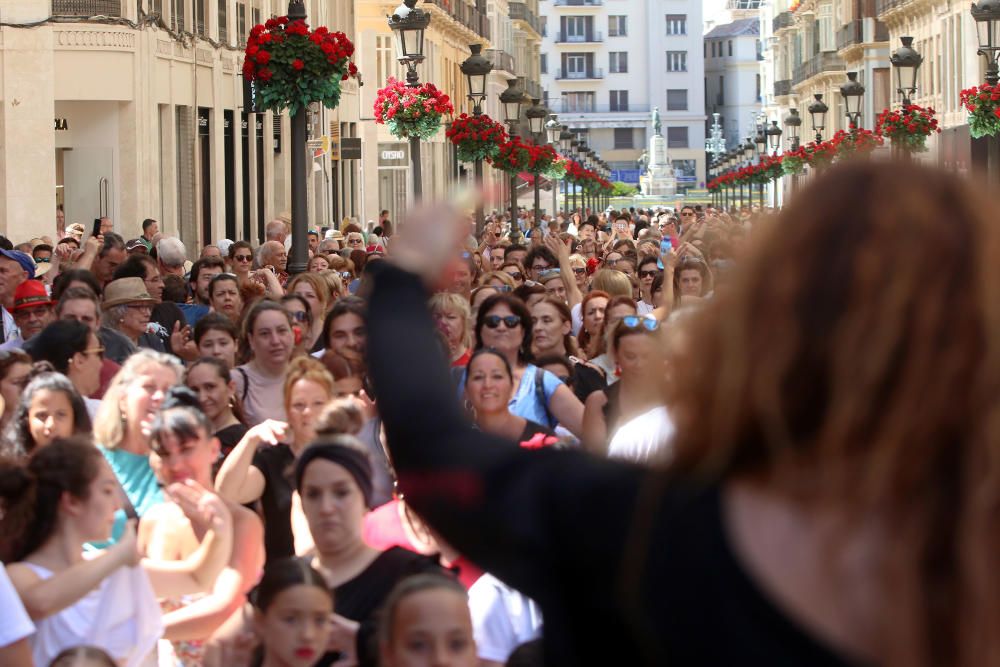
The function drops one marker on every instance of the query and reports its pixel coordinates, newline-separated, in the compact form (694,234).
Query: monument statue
(657,177)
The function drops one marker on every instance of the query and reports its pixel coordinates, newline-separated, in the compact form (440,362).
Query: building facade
(607,63)
(139,110)
(733,52)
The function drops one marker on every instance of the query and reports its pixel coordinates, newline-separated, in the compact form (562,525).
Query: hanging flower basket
(794,162)
(907,128)
(983,104)
(411,112)
(517,155)
(856,142)
(292,65)
(557,169)
(476,137)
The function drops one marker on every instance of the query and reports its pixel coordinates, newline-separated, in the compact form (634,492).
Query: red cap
(29,294)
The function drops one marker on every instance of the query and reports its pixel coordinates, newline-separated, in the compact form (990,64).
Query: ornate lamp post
(817,112)
(565,137)
(299,260)
(987,16)
(760,141)
(536,114)
(552,130)
(408,24)
(748,149)
(476,68)
(574,154)
(906,62)
(774,143)
(853,93)
(793,122)
(511,100)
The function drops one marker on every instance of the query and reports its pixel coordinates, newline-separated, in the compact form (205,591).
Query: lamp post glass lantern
(408,24)
(793,122)
(987,16)
(817,112)
(853,93)
(774,137)
(476,69)
(906,62)
(536,114)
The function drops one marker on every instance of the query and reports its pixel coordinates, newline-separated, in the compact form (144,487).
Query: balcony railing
(589,38)
(861,31)
(520,12)
(592,73)
(783,88)
(558,107)
(86,8)
(502,61)
(782,20)
(824,62)
(579,3)
(533,89)
(882,6)
(467,15)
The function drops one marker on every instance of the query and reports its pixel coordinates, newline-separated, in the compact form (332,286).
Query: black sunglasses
(510,321)
(649,274)
(517,275)
(579,270)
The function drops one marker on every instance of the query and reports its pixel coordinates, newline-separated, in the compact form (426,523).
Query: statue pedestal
(659,179)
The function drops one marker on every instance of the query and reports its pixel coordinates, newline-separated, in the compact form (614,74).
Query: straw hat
(126,290)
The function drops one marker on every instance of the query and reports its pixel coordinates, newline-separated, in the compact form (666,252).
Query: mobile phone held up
(665,246)
(97,227)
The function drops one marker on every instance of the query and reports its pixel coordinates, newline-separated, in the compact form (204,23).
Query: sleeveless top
(120,616)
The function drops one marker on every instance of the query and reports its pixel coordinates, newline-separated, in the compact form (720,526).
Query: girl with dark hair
(15,369)
(269,340)
(292,610)
(427,614)
(50,408)
(76,352)
(217,336)
(211,380)
(504,323)
(618,307)
(592,309)
(184,452)
(83,656)
(345,330)
(64,495)
(241,260)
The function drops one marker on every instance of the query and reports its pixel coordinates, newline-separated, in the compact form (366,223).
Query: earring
(618,371)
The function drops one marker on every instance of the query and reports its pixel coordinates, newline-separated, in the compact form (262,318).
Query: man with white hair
(276,230)
(273,254)
(170,256)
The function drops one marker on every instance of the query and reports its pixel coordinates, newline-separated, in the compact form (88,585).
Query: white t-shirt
(502,618)
(577,312)
(16,623)
(642,438)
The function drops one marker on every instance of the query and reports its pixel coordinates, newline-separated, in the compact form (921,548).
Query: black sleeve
(541,520)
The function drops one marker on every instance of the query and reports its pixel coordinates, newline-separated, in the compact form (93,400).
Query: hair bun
(181,396)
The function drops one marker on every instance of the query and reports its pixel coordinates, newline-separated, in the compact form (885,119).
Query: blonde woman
(123,424)
(452,316)
(334,285)
(614,283)
(501,280)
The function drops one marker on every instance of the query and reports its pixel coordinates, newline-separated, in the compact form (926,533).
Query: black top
(274,462)
(361,598)
(587,380)
(229,437)
(628,569)
(531,429)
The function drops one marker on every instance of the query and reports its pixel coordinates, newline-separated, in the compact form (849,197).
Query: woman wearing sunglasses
(298,308)
(648,271)
(515,271)
(241,260)
(504,323)
(639,355)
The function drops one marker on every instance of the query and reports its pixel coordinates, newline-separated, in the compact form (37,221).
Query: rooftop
(750,26)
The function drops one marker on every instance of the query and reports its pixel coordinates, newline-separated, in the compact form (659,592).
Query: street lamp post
(511,100)
(853,93)
(793,122)
(553,129)
(299,260)
(817,113)
(987,16)
(760,141)
(906,62)
(774,143)
(536,114)
(565,137)
(748,149)
(476,68)
(408,24)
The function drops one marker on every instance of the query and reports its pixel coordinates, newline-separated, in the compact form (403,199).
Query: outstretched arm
(535,519)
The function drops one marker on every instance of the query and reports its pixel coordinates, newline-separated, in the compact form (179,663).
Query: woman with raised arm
(64,495)
(830,496)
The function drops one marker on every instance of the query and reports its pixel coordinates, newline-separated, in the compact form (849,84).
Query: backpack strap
(246,383)
(540,395)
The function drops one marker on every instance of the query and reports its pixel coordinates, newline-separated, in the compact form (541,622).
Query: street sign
(350,148)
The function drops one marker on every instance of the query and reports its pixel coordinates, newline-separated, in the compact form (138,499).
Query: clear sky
(712,9)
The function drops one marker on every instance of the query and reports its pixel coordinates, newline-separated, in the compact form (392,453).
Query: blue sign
(625,175)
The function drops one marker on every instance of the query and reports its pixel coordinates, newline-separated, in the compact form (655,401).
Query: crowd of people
(660,436)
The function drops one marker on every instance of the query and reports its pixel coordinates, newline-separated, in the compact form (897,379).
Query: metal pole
(992,145)
(555,198)
(298,262)
(538,206)
(478,172)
